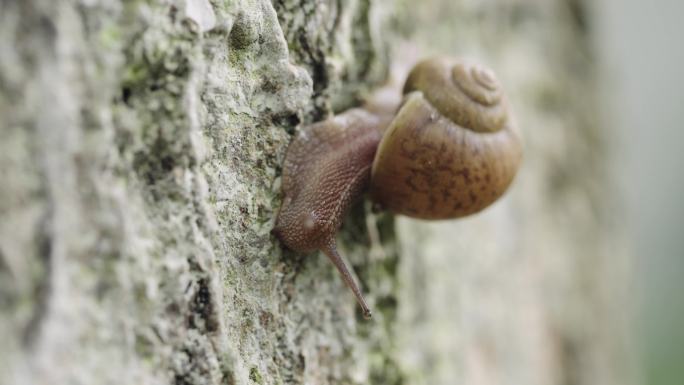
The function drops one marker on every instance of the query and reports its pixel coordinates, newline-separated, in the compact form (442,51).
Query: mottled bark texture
(141,145)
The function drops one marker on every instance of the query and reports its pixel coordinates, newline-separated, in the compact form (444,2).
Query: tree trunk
(140,153)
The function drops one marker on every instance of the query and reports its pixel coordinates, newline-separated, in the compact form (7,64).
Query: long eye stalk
(331,251)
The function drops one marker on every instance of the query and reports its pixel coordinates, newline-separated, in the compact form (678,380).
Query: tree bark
(140,153)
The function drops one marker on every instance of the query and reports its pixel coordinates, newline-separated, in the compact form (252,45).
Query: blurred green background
(641,53)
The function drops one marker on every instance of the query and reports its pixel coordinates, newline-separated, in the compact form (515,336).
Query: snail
(450,150)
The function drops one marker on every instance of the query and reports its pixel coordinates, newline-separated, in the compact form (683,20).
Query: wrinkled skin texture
(326,167)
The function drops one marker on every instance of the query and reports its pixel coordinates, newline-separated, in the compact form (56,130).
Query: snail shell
(452,148)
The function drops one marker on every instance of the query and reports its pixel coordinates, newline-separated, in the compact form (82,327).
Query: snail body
(451,150)
(326,168)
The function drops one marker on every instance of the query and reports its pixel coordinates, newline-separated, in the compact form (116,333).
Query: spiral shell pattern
(468,94)
(452,149)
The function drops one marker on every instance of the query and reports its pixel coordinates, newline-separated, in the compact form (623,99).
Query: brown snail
(451,150)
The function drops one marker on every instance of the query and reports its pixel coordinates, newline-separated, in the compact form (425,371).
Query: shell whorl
(468,94)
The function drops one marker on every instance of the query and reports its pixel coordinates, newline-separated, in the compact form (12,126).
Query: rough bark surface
(140,152)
